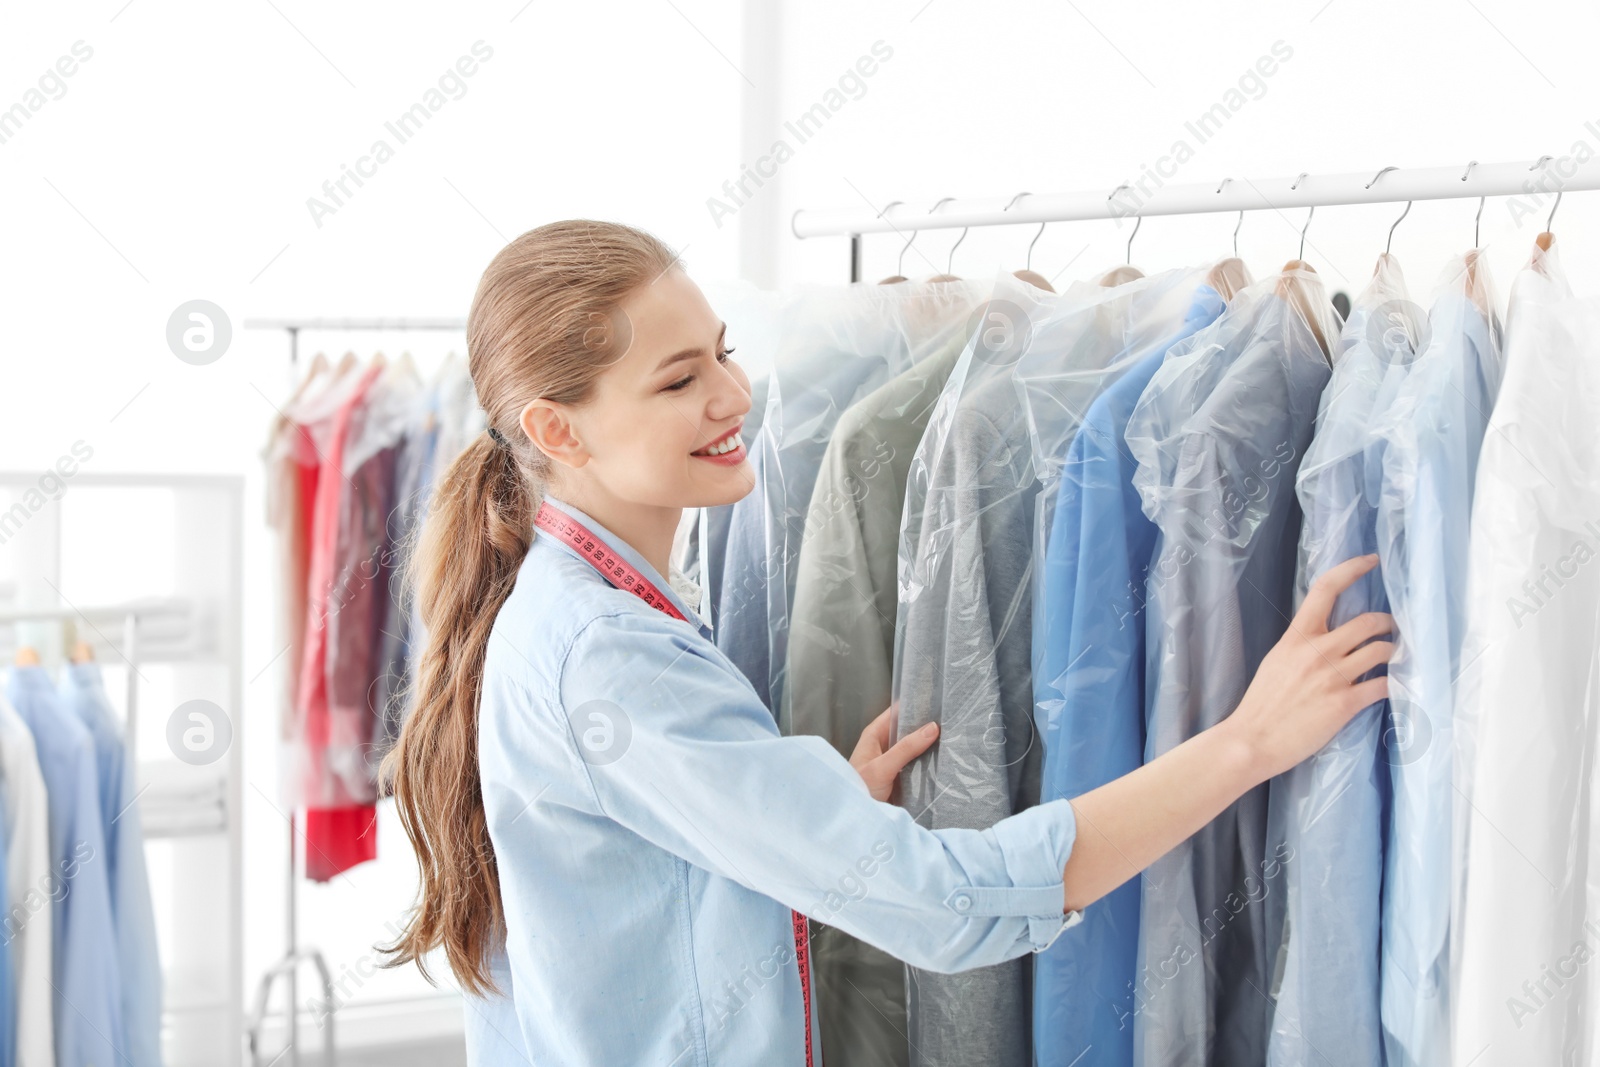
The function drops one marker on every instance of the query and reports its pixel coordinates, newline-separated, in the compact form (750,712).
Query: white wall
(178,162)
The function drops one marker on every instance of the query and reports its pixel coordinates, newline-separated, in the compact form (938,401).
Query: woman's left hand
(880,763)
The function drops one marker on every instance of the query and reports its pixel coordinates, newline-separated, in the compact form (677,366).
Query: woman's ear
(550,427)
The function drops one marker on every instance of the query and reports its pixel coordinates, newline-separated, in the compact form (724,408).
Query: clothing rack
(193,633)
(1534,180)
(287,966)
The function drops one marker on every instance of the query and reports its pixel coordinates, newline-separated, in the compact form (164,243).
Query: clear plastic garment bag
(1219,435)
(837,346)
(1528,709)
(963,631)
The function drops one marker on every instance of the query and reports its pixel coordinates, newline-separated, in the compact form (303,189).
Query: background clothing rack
(192,632)
(288,965)
(1535,179)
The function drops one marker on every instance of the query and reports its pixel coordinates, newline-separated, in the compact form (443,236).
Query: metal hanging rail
(1536,180)
(294,326)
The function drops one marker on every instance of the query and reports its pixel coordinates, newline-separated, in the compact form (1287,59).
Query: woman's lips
(727,459)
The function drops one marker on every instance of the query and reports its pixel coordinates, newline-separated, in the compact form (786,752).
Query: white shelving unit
(191,815)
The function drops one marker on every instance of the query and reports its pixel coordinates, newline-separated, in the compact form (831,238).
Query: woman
(615,842)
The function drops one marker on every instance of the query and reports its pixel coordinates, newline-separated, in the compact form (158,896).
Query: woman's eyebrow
(690,353)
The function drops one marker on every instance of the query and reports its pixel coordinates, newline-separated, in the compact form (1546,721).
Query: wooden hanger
(1228,277)
(1306,296)
(1027,273)
(82,652)
(1120,275)
(27,656)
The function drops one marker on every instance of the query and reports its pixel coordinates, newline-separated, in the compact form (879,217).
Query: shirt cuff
(1034,845)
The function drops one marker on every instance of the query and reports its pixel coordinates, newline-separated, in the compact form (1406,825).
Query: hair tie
(494,435)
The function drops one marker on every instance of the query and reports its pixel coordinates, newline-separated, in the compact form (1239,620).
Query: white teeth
(724,448)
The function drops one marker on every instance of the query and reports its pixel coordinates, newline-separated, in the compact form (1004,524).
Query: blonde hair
(545,322)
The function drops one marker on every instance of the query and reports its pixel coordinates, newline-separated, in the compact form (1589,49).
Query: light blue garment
(8,978)
(1434,429)
(88,994)
(1330,812)
(1088,687)
(1219,434)
(652,830)
(139,962)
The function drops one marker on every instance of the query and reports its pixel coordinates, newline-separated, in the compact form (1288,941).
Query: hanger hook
(1378,175)
(1223,186)
(1303,175)
(1028,265)
(1303,230)
(953,247)
(1477,220)
(885,214)
(1390,241)
(1138,219)
(1544,161)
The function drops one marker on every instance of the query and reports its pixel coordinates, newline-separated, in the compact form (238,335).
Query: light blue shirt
(88,995)
(138,959)
(652,831)
(1329,812)
(1434,429)
(1088,688)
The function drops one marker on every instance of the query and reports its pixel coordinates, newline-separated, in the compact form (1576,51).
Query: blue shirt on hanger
(1088,686)
(138,959)
(1434,429)
(88,995)
(652,831)
(1329,813)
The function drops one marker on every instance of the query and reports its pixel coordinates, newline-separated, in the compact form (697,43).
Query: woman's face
(664,412)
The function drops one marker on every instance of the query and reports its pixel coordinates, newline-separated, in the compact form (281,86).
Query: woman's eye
(683,383)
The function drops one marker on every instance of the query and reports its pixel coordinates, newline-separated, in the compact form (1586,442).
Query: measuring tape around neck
(623,575)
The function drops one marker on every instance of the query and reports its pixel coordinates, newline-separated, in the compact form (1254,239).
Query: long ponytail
(544,323)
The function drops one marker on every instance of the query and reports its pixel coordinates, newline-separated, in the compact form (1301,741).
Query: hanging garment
(841,649)
(963,622)
(840,345)
(1528,709)
(1088,691)
(1329,814)
(1219,435)
(1435,429)
(87,1001)
(340,816)
(138,959)
(624,734)
(364,564)
(28,916)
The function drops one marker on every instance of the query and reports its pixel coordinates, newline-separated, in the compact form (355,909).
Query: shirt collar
(670,589)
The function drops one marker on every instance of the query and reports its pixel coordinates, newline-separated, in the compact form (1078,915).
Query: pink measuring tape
(620,573)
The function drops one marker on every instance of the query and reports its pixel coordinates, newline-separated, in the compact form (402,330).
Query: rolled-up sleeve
(678,749)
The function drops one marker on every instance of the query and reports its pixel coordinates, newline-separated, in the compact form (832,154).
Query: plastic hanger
(1027,273)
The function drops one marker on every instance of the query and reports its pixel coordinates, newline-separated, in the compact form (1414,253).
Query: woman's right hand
(1307,687)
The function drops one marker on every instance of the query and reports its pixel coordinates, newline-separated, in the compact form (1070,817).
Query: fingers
(1312,618)
(910,747)
(879,729)
(1342,639)
(1369,692)
(1365,658)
